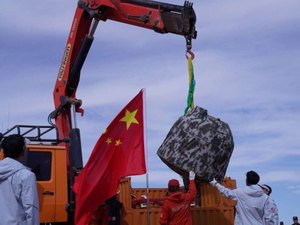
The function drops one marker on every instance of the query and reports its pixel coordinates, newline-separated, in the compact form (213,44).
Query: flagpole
(146,155)
(148,200)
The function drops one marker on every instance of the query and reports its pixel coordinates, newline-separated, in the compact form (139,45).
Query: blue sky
(246,70)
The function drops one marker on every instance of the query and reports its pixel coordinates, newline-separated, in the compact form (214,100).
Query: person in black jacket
(115,210)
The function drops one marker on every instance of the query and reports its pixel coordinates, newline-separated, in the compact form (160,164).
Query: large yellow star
(129,118)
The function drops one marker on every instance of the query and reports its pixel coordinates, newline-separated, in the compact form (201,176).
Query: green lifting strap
(192,83)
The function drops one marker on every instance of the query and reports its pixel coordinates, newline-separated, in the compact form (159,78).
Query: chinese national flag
(118,153)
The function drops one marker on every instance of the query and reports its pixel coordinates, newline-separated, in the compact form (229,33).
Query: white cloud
(281,175)
(295,189)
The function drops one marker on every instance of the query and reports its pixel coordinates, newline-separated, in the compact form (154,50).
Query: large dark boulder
(198,142)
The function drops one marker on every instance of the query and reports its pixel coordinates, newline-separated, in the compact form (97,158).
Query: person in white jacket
(18,189)
(274,210)
(252,204)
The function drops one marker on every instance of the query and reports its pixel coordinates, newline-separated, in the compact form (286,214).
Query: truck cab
(49,165)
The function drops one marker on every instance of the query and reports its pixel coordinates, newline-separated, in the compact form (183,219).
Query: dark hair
(13,145)
(267,187)
(252,178)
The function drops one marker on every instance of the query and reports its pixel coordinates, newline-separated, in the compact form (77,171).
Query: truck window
(40,164)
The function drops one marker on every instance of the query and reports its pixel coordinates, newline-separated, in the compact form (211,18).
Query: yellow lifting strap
(192,83)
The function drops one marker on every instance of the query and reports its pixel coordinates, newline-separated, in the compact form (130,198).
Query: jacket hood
(176,197)
(254,191)
(8,167)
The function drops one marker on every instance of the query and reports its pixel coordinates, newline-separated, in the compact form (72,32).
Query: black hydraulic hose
(74,76)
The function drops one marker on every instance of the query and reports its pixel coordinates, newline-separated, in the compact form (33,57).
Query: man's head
(252,178)
(173,185)
(295,219)
(267,189)
(13,146)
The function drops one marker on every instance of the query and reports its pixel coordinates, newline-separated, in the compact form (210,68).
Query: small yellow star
(118,142)
(108,141)
(129,118)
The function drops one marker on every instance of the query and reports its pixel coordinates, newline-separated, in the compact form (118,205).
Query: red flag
(118,153)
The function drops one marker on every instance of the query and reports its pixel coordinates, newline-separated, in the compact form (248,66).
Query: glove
(213,182)
(192,175)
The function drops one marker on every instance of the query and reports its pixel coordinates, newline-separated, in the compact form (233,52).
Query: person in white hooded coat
(18,192)
(252,204)
(274,210)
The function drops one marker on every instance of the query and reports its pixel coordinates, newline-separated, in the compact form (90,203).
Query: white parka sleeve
(29,200)
(231,194)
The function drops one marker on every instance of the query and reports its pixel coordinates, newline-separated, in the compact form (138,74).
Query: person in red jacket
(176,207)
